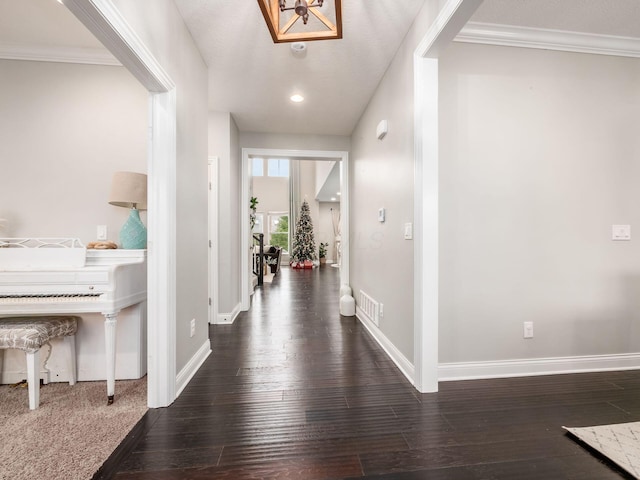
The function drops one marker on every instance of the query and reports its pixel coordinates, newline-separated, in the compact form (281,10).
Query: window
(257,167)
(279,231)
(278,167)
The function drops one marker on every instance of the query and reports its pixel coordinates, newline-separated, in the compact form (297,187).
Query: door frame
(451,18)
(245,233)
(214,177)
(106,23)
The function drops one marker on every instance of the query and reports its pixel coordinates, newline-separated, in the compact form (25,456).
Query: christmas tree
(304,246)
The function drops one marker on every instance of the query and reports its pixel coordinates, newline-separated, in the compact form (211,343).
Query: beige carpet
(71,434)
(620,443)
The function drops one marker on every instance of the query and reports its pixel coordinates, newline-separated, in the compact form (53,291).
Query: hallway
(292,390)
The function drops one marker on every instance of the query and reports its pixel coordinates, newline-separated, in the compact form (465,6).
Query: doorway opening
(283,195)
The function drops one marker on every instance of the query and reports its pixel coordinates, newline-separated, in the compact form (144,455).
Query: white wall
(294,142)
(325,227)
(160,26)
(235,181)
(223,143)
(381,262)
(539,157)
(307,181)
(64,130)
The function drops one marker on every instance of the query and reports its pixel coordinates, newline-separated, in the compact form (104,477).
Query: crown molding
(525,37)
(41,53)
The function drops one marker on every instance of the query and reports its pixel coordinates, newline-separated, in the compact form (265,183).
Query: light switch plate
(408,231)
(101,232)
(381,215)
(620,232)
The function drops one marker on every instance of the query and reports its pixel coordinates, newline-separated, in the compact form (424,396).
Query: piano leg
(110,320)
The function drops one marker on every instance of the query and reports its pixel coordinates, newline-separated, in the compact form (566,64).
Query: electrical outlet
(620,232)
(193,327)
(101,232)
(528,329)
(381,311)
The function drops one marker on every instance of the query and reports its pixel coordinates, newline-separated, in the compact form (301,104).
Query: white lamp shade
(129,189)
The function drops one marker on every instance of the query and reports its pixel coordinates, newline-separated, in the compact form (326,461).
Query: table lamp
(129,189)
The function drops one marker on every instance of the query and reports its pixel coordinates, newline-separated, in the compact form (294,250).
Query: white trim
(345,202)
(161,217)
(426,248)
(246,278)
(214,178)
(46,53)
(538,366)
(192,366)
(526,37)
(452,17)
(396,356)
(104,21)
(229,318)
(343,157)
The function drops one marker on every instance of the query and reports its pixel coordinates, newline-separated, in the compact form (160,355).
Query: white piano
(73,281)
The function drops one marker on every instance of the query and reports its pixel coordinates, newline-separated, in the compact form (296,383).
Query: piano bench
(29,334)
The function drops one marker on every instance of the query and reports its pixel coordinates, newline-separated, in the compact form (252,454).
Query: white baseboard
(18,376)
(229,318)
(537,366)
(504,368)
(192,366)
(405,366)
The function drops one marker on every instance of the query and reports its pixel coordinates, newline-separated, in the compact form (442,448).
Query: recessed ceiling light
(61,2)
(338,193)
(333,199)
(296,98)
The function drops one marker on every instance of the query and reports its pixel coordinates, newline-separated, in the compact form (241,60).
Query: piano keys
(111,280)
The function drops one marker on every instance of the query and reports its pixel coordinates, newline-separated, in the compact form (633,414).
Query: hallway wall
(223,143)
(382,175)
(325,227)
(160,26)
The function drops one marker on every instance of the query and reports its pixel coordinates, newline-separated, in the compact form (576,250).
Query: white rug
(620,443)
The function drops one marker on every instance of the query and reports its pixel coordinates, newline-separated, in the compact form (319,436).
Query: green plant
(253,206)
(322,253)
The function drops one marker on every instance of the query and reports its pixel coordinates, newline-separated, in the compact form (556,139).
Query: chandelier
(284,26)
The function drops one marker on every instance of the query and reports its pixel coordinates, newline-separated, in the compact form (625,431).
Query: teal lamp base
(133,235)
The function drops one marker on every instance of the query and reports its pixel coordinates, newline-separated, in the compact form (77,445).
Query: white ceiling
(252,77)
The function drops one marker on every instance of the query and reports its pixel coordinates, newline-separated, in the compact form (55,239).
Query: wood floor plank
(294,390)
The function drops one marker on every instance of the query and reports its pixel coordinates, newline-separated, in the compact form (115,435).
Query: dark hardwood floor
(294,391)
